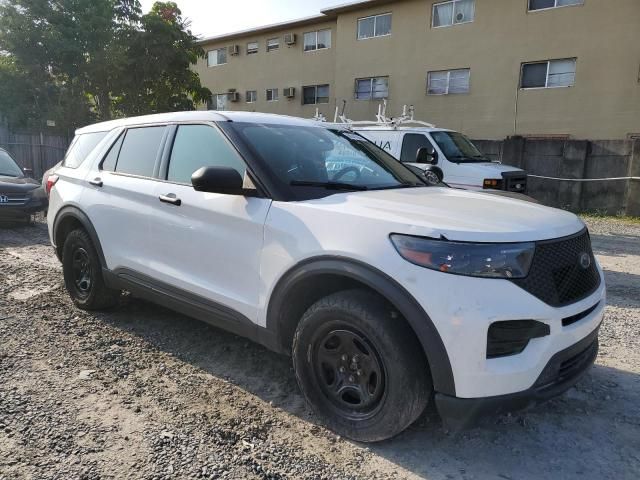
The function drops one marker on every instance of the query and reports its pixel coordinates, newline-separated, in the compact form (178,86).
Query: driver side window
(411,143)
(197,146)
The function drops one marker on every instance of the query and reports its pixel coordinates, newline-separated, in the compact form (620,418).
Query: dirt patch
(174,398)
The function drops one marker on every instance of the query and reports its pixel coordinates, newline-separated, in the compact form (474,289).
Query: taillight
(51,181)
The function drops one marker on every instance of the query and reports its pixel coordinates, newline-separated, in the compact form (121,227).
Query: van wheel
(83,273)
(360,367)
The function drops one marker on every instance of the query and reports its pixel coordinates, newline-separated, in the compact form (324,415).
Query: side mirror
(217,180)
(427,155)
(27,171)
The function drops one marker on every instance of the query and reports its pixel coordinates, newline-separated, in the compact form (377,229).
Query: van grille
(559,274)
(515,182)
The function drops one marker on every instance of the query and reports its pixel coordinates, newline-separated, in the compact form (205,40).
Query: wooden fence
(37,151)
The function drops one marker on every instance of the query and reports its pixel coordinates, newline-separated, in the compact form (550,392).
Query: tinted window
(534,75)
(109,162)
(410,145)
(8,167)
(139,151)
(198,146)
(81,147)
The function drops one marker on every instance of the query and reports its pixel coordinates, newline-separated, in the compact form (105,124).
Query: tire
(83,273)
(379,394)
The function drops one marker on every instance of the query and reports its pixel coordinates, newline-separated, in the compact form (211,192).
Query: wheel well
(308,291)
(66,226)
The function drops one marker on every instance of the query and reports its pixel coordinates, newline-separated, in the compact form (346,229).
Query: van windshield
(8,167)
(304,158)
(458,148)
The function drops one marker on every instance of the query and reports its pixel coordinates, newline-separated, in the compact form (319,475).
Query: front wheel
(360,367)
(83,273)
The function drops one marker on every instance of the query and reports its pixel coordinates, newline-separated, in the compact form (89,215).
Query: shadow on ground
(580,435)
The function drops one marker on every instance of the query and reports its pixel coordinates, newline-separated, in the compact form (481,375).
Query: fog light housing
(512,337)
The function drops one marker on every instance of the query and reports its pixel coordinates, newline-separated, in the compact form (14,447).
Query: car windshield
(306,158)
(8,167)
(458,148)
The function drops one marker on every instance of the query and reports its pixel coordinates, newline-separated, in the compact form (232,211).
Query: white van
(447,153)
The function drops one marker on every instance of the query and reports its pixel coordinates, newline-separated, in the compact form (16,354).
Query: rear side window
(410,145)
(81,147)
(197,146)
(109,162)
(139,151)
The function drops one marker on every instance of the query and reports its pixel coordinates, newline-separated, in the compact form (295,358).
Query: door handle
(96,182)
(170,198)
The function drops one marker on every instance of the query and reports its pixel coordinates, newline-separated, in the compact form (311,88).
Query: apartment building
(489,68)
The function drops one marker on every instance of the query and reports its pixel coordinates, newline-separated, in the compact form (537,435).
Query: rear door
(209,244)
(120,198)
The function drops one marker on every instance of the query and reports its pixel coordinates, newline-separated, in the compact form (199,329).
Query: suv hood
(17,184)
(458,215)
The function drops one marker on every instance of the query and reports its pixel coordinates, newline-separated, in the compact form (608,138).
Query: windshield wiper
(328,185)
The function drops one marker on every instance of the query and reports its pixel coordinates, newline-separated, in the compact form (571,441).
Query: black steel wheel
(360,366)
(83,273)
(349,371)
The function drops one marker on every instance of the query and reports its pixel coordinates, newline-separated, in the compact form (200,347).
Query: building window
(549,74)
(448,82)
(454,12)
(252,47)
(315,94)
(272,94)
(372,88)
(273,44)
(252,96)
(376,26)
(217,57)
(218,102)
(317,40)
(545,4)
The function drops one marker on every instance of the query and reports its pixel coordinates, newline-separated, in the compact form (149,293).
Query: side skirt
(191,305)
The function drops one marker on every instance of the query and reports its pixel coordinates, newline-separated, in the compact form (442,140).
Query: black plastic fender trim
(396,294)
(80,216)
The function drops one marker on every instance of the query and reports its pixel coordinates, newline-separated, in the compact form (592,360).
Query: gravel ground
(142,392)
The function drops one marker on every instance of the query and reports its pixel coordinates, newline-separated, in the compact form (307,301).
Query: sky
(216,17)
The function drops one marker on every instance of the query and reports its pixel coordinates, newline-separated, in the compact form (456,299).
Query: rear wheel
(83,273)
(360,367)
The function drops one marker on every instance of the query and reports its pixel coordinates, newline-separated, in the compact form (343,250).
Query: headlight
(494,260)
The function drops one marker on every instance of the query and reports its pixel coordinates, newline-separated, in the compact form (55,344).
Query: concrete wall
(604,103)
(576,159)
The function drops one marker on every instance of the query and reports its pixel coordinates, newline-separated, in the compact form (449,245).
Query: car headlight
(493,260)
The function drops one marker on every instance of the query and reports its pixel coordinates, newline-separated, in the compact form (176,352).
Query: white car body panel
(234,250)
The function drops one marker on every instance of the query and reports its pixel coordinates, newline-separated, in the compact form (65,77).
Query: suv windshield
(318,158)
(458,148)
(8,167)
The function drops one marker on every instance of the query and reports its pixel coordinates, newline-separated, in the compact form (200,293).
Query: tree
(76,61)
(158,75)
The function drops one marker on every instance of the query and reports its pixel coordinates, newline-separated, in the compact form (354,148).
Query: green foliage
(76,61)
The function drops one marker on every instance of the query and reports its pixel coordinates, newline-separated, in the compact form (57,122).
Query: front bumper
(563,370)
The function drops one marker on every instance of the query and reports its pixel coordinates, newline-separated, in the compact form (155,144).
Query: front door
(209,244)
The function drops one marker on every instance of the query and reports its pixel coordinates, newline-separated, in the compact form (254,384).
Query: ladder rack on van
(406,119)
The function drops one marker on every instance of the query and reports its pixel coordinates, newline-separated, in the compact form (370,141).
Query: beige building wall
(604,103)
(289,66)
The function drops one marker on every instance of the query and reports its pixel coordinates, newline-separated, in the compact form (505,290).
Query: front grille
(557,276)
(576,318)
(13,199)
(515,182)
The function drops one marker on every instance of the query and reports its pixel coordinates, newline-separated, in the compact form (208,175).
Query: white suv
(314,242)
